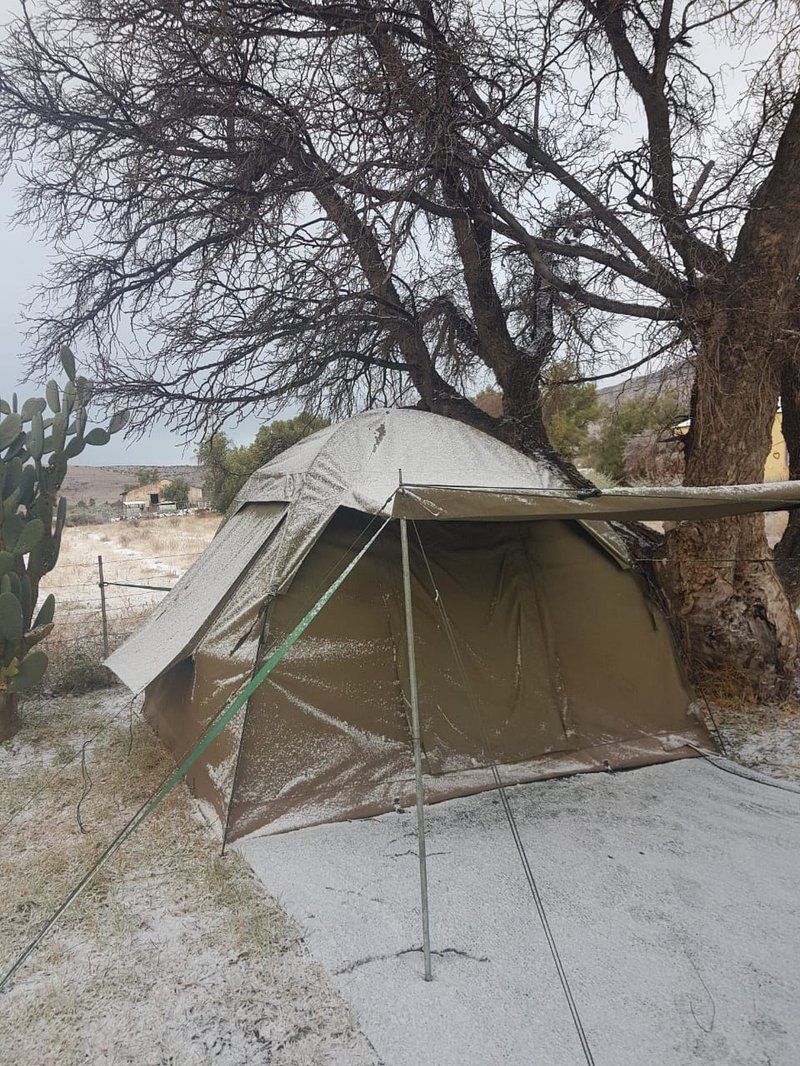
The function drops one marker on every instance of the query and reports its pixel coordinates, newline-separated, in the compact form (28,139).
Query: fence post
(103,606)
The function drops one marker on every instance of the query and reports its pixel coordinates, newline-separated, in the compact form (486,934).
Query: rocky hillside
(104,484)
(667,379)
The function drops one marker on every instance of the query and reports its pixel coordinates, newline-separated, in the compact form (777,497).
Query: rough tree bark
(731,604)
(787,550)
(724,592)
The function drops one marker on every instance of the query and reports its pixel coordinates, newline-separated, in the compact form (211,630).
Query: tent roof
(449,471)
(357,464)
(359,461)
(181,618)
(452,471)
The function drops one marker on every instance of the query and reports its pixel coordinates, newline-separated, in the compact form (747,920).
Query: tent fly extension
(210,734)
(415,738)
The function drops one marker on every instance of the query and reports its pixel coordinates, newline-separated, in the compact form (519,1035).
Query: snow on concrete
(671,891)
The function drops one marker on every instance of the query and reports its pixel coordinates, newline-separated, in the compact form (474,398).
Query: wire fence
(96,614)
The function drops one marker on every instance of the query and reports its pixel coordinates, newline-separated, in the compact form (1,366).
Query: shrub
(80,672)
(178,492)
(620,424)
(227,468)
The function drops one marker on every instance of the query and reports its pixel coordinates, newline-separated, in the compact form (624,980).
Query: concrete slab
(672,892)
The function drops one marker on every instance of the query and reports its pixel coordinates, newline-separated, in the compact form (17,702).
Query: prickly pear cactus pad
(37,441)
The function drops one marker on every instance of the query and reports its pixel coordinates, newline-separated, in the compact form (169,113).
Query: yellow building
(776,467)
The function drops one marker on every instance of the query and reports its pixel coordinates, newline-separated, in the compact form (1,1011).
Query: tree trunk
(519,423)
(787,551)
(9,722)
(722,586)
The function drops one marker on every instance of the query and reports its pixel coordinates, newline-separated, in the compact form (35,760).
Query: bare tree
(669,233)
(255,213)
(350,203)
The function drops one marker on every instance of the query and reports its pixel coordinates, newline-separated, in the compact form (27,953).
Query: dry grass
(764,737)
(163,536)
(147,550)
(153,552)
(173,955)
(728,686)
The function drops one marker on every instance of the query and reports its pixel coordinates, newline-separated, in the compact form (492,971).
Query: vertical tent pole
(415,737)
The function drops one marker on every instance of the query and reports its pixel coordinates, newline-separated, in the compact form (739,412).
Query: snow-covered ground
(764,738)
(151,553)
(173,954)
(671,891)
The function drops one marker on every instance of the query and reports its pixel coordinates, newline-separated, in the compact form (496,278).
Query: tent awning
(661,503)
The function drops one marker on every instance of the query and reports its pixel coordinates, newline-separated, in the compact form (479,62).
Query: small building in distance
(149,499)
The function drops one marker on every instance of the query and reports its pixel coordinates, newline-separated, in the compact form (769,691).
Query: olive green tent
(537,646)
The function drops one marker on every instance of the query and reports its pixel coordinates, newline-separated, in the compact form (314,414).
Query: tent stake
(415,737)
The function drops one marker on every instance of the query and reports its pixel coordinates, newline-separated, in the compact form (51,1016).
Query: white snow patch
(671,891)
(172,954)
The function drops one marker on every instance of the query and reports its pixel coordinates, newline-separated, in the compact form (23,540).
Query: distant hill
(105,484)
(676,379)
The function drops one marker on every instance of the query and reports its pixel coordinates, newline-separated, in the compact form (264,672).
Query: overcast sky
(23,262)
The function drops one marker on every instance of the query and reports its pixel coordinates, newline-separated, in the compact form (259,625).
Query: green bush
(178,492)
(568,410)
(620,424)
(227,468)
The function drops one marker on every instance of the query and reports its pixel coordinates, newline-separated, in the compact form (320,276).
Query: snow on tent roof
(449,471)
(353,464)
(359,461)
(453,471)
(357,464)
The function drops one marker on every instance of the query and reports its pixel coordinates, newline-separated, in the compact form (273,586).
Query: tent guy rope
(212,731)
(509,814)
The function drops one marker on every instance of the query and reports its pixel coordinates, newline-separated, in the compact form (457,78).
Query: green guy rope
(211,733)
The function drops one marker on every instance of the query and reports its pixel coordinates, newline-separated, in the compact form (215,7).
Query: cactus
(28,673)
(11,616)
(37,440)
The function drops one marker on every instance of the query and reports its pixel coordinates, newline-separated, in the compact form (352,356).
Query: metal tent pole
(415,737)
(102,582)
